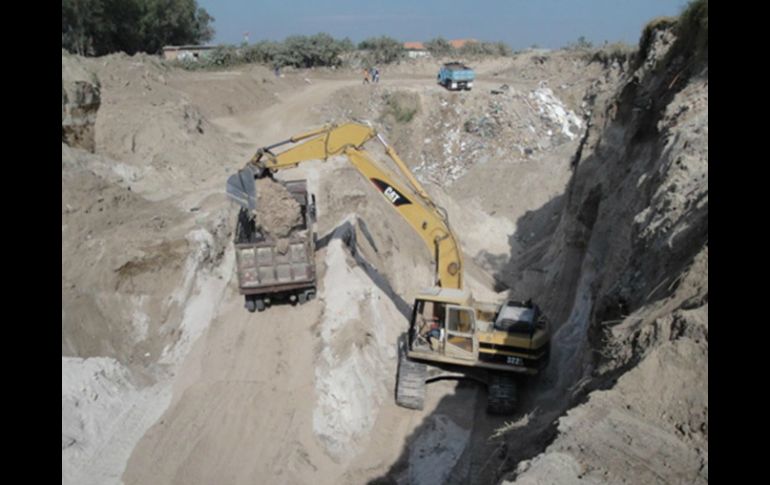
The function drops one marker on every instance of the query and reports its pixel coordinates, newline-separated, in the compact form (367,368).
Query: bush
(303,51)
(98,27)
(263,52)
(692,30)
(439,47)
(223,56)
(382,50)
(296,51)
(618,51)
(476,49)
(401,106)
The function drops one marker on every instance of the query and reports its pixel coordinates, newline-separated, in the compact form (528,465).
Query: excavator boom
(410,200)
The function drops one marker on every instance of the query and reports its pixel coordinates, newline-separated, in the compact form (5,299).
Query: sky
(518,23)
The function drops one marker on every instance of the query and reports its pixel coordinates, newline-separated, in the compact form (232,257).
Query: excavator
(450,335)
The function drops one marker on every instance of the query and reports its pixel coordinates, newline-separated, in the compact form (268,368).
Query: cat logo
(394,196)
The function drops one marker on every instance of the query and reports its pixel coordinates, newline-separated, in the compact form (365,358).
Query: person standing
(366,76)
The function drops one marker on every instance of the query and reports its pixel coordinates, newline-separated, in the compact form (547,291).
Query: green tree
(382,50)
(439,47)
(97,27)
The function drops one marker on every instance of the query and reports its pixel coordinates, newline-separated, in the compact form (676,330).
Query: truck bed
(262,268)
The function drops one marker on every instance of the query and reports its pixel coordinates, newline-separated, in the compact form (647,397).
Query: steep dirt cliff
(626,276)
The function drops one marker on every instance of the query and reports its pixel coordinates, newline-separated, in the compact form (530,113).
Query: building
(415,50)
(186,52)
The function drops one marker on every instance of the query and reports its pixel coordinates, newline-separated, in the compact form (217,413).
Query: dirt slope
(632,242)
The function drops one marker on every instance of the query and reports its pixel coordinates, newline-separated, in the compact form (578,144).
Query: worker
(434,334)
(366,76)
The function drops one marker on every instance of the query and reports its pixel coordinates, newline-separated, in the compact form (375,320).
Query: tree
(382,50)
(439,47)
(97,27)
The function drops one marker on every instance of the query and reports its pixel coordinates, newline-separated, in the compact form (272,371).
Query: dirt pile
(80,100)
(161,142)
(277,212)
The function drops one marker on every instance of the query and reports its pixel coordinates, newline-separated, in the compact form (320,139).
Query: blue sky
(519,23)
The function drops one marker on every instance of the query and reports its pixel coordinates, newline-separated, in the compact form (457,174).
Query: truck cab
(456,76)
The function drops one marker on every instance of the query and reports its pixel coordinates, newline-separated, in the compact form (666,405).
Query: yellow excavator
(450,333)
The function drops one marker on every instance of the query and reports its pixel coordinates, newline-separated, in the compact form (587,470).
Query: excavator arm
(411,200)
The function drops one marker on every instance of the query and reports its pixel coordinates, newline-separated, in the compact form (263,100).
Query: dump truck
(450,334)
(456,76)
(271,270)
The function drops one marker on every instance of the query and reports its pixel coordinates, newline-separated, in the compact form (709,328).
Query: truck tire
(410,383)
(250,304)
(260,304)
(502,394)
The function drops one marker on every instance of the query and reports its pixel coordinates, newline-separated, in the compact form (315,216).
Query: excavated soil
(166,378)
(278,212)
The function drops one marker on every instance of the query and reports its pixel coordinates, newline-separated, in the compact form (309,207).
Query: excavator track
(410,384)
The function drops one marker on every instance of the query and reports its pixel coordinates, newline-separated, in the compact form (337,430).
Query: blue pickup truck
(456,76)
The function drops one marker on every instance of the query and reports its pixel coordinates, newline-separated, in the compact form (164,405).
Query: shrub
(439,47)
(692,30)
(382,50)
(618,51)
(476,49)
(401,106)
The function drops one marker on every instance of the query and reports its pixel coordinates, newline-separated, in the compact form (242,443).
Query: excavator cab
(444,325)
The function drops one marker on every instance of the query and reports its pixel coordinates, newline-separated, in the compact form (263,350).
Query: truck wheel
(250,304)
(501,395)
(260,305)
(410,384)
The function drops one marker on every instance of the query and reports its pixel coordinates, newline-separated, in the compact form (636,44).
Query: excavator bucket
(242,189)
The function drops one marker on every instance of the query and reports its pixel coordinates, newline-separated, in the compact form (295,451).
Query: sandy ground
(337,423)
(184,386)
